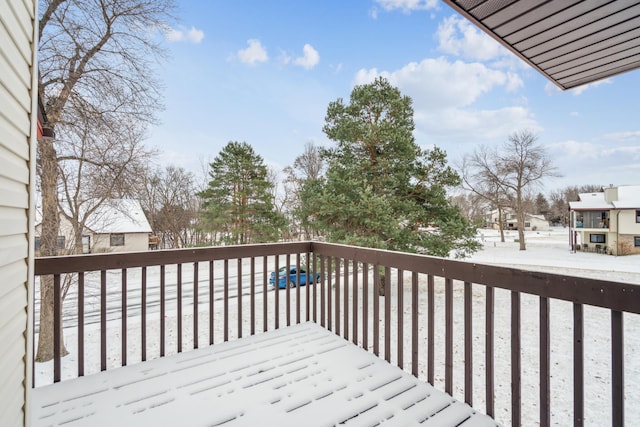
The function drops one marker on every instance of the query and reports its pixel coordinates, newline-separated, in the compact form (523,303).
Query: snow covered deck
(299,375)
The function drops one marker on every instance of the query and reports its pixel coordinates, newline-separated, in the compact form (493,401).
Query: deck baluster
(545,383)
(489,349)
(103,320)
(143,315)
(354,281)
(179,306)
(578,364)
(195,304)
(336,288)
(163,302)
(225,316)
(345,288)
(57,328)
(430,330)
(468,344)
(448,335)
(252,297)
(81,323)
(516,356)
(400,325)
(617,368)
(415,355)
(239,296)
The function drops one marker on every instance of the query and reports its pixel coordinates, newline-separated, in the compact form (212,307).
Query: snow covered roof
(590,201)
(119,216)
(628,198)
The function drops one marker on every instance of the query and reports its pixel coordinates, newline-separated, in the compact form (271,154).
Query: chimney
(610,194)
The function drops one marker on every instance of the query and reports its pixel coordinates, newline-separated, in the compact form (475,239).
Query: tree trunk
(381,285)
(45,334)
(501,224)
(521,220)
(78,247)
(48,246)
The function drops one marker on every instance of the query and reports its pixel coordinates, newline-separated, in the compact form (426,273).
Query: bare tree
(472,206)
(309,164)
(515,169)
(559,209)
(95,57)
(306,170)
(481,176)
(102,161)
(168,198)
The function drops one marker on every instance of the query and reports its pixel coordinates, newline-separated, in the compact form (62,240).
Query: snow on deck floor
(298,375)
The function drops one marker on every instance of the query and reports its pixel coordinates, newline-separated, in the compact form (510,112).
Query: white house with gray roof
(607,221)
(117,225)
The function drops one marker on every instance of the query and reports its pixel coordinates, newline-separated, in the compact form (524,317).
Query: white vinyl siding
(17,18)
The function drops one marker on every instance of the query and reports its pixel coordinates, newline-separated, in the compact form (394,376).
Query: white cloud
(445,95)
(470,126)
(407,5)
(457,36)
(436,83)
(309,58)
(284,58)
(574,114)
(581,89)
(551,89)
(254,53)
(192,35)
(577,149)
(623,136)
(596,162)
(628,152)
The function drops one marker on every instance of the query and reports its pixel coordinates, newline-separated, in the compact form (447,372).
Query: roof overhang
(571,42)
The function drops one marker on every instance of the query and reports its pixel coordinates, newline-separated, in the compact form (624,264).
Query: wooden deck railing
(428,308)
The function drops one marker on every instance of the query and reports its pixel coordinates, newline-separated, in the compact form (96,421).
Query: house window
(597,238)
(592,219)
(60,242)
(117,239)
(636,241)
(638,216)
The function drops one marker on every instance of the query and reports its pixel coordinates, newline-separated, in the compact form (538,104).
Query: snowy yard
(546,251)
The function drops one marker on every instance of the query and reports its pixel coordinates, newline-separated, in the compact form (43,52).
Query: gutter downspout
(572,237)
(617,231)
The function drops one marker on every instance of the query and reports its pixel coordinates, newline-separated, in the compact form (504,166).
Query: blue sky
(265,72)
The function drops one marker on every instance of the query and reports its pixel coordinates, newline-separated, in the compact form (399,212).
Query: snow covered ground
(546,251)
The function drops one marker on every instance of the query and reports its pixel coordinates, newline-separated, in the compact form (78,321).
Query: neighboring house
(510,221)
(20,125)
(118,225)
(607,221)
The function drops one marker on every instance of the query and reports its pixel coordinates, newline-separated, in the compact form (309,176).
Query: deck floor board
(298,375)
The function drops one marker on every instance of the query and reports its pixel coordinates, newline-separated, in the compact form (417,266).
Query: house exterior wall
(627,222)
(510,222)
(17,142)
(132,242)
(537,224)
(628,230)
(620,232)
